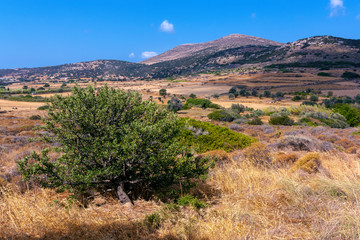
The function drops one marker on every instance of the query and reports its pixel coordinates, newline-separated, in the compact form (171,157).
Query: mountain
(227,42)
(225,53)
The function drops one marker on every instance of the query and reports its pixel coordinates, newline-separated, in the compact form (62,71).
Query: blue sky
(48,32)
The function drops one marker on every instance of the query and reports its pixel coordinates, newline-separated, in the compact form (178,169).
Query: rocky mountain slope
(227,42)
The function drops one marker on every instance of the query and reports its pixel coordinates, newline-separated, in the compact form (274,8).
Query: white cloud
(253,15)
(148,54)
(165,26)
(358,17)
(336,6)
(132,55)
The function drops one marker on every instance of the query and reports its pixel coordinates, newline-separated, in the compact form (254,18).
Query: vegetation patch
(204,137)
(200,102)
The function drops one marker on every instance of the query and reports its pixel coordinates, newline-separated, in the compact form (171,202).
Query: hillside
(227,42)
(232,51)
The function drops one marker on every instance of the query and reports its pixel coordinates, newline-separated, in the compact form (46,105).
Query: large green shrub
(112,140)
(351,114)
(350,75)
(203,137)
(281,119)
(221,115)
(200,102)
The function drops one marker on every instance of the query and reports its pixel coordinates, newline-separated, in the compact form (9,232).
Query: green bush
(350,75)
(307,103)
(221,115)
(44,107)
(237,108)
(351,114)
(281,119)
(314,98)
(212,137)
(255,121)
(297,98)
(192,201)
(200,102)
(113,140)
(35,117)
(324,74)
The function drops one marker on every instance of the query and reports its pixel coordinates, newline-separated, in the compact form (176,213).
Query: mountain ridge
(317,51)
(226,42)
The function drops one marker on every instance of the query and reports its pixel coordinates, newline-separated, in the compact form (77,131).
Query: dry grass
(250,203)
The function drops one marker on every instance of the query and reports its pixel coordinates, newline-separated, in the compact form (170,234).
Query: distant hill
(228,52)
(227,42)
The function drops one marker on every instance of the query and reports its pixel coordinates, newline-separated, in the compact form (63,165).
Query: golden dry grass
(244,202)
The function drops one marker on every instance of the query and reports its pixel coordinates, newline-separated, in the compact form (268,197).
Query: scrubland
(297,182)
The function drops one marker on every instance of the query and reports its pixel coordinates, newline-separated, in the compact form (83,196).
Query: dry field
(297,192)
(206,85)
(282,200)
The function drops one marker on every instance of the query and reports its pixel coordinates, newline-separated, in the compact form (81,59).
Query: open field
(206,85)
(243,201)
(280,199)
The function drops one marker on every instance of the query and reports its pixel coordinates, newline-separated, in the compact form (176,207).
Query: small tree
(111,140)
(279,94)
(175,104)
(46,85)
(267,93)
(162,92)
(192,95)
(216,96)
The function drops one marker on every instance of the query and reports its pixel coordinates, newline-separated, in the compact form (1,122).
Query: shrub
(350,75)
(174,104)
(217,137)
(297,98)
(192,95)
(162,92)
(200,102)
(300,142)
(282,159)
(314,98)
(351,114)
(35,117)
(255,121)
(236,127)
(237,108)
(44,107)
(112,140)
(324,74)
(309,163)
(221,115)
(267,94)
(276,119)
(258,154)
(279,94)
(192,201)
(307,103)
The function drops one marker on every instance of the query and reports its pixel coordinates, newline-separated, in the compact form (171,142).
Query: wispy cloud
(148,54)
(132,55)
(253,15)
(358,17)
(165,26)
(336,6)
